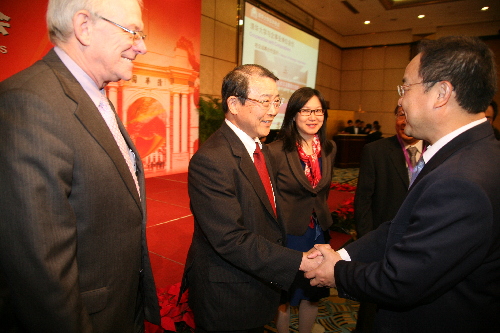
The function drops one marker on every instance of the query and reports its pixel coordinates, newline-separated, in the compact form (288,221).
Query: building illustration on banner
(158,107)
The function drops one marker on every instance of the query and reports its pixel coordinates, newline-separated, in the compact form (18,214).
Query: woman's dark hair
(289,133)
(467,63)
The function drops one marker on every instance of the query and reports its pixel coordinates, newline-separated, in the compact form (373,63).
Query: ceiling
(403,15)
(391,21)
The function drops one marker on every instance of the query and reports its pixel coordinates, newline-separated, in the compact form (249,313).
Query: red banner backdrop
(159,105)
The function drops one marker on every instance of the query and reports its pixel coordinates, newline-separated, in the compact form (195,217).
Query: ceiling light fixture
(421,16)
(485,8)
(367,22)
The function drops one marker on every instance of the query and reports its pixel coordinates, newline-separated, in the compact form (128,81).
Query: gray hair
(60,16)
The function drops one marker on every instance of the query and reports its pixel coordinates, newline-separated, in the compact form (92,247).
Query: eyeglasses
(307,112)
(403,88)
(137,35)
(267,103)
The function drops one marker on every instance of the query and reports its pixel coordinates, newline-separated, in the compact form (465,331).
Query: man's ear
(82,27)
(445,91)
(233,104)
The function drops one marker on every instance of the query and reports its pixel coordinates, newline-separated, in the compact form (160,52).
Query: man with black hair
(435,267)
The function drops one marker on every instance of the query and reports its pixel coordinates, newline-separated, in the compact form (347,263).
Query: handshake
(318,264)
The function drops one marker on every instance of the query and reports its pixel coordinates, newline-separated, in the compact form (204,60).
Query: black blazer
(73,252)
(382,184)
(436,266)
(296,195)
(237,264)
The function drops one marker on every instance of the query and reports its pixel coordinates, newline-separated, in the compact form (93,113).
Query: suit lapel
(298,171)
(90,117)
(400,165)
(247,167)
(326,168)
(476,133)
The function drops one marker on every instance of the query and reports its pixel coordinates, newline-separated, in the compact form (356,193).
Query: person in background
(436,266)
(349,129)
(367,129)
(360,127)
(384,177)
(73,253)
(303,161)
(375,134)
(237,264)
(491,115)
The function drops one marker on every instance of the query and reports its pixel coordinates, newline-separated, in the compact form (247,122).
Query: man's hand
(323,275)
(310,260)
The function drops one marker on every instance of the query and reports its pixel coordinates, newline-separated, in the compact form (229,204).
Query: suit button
(314,195)
(276,284)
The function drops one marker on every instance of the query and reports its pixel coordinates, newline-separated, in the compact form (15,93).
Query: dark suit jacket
(72,236)
(298,198)
(436,266)
(382,184)
(237,263)
(350,129)
(374,136)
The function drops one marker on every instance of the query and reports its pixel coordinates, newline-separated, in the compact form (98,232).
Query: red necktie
(260,164)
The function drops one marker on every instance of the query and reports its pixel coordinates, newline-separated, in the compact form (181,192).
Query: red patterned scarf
(312,169)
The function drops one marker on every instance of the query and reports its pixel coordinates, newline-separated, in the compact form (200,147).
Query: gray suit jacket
(382,184)
(237,264)
(436,266)
(298,198)
(73,253)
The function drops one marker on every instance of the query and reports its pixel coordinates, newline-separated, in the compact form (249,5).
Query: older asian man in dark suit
(436,266)
(73,253)
(237,263)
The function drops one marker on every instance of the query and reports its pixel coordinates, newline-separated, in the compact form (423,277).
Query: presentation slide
(290,53)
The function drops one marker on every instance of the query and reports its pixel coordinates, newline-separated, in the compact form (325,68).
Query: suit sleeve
(38,228)
(446,239)
(365,190)
(223,219)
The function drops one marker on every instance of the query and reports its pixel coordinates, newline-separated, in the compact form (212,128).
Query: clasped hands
(318,264)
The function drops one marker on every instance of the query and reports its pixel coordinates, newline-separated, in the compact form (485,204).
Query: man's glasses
(137,35)
(307,112)
(403,88)
(267,103)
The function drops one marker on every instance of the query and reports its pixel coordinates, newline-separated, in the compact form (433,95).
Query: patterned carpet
(336,315)
(347,175)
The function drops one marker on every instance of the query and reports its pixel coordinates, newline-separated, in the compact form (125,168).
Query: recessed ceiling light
(485,8)
(421,16)
(367,22)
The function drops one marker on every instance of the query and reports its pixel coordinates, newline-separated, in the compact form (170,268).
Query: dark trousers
(366,317)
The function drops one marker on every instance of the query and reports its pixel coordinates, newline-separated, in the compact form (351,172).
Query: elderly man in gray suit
(73,254)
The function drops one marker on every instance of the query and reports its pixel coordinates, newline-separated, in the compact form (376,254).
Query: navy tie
(417,169)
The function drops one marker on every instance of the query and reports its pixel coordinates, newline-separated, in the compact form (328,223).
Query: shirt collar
(83,78)
(247,141)
(432,150)
(418,145)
